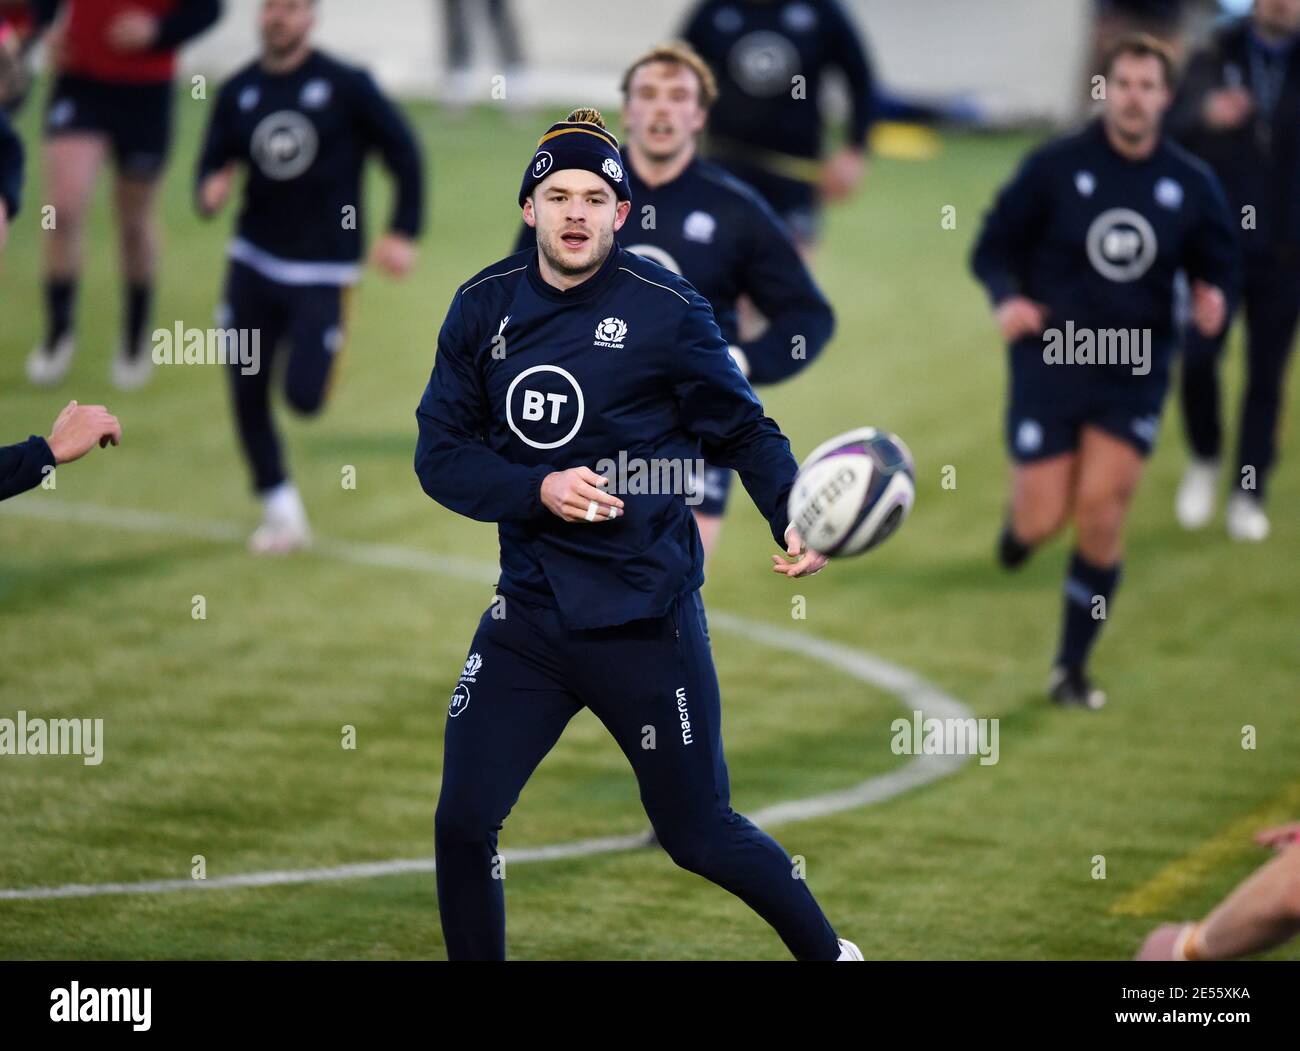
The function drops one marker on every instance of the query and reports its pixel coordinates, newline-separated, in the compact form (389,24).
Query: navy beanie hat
(581,141)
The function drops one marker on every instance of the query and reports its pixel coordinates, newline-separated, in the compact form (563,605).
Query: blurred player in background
(78,429)
(771,58)
(302,125)
(1087,238)
(115,63)
(547,363)
(1239,110)
(1261,914)
(16,25)
(698,221)
(459,37)
(12,167)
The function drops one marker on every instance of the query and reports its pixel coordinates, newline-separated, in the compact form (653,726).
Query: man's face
(575,214)
(286,24)
(1281,17)
(662,113)
(1136,96)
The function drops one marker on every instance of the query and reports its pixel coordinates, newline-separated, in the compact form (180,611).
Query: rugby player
(698,221)
(301,124)
(767,127)
(1239,110)
(116,60)
(548,362)
(1082,248)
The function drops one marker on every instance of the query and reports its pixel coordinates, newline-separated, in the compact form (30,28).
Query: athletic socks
(1088,591)
(139,302)
(60,295)
(1011,552)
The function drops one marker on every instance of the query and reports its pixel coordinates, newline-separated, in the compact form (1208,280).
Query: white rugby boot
(1246,518)
(131,373)
(1194,504)
(849,951)
(45,367)
(284,527)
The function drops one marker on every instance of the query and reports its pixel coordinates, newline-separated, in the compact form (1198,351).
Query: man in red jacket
(115,62)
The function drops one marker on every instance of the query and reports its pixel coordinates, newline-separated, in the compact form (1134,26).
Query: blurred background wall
(1015,59)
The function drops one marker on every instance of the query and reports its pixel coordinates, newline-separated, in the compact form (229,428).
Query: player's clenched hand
(1281,837)
(1020,316)
(394,254)
(133,31)
(1159,944)
(1227,108)
(215,189)
(1209,309)
(802,561)
(578,495)
(79,428)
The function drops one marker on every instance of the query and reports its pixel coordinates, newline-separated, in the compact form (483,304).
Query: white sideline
(911,690)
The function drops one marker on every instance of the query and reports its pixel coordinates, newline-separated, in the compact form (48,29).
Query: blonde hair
(677,54)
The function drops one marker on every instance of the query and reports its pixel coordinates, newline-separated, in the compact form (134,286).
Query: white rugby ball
(853,492)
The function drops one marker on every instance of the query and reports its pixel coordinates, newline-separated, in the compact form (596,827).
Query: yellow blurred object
(905,142)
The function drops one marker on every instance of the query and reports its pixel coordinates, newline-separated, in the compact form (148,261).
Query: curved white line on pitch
(914,692)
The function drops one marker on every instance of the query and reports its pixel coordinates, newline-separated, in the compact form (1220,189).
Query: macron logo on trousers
(684,715)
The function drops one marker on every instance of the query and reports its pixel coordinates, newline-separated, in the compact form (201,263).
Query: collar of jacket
(583,290)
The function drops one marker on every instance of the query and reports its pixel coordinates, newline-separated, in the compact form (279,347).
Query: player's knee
(459,821)
(305,399)
(690,847)
(1037,522)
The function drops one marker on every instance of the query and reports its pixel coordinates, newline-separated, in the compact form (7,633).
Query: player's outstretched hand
(1209,309)
(1281,837)
(1020,316)
(394,254)
(578,495)
(79,428)
(801,560)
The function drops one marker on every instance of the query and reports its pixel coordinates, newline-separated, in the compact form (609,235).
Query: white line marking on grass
(914,693)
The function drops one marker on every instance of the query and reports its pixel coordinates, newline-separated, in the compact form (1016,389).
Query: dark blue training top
(726,241)
(756,49)
(305,136)
(630,361)
(1098,238)
(23,466)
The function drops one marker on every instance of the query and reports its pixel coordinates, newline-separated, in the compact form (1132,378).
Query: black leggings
(1271,298)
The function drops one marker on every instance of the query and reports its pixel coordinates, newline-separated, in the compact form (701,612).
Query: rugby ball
(853,492)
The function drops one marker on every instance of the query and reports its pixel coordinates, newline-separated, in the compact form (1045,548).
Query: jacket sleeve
(23,466)
(800,320)
(219,145)
(1012,225)
(387,129)
(717,405)
(455,466)
(849,54)
(1213,251)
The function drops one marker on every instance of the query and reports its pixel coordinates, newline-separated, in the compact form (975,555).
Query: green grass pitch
(223,736)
